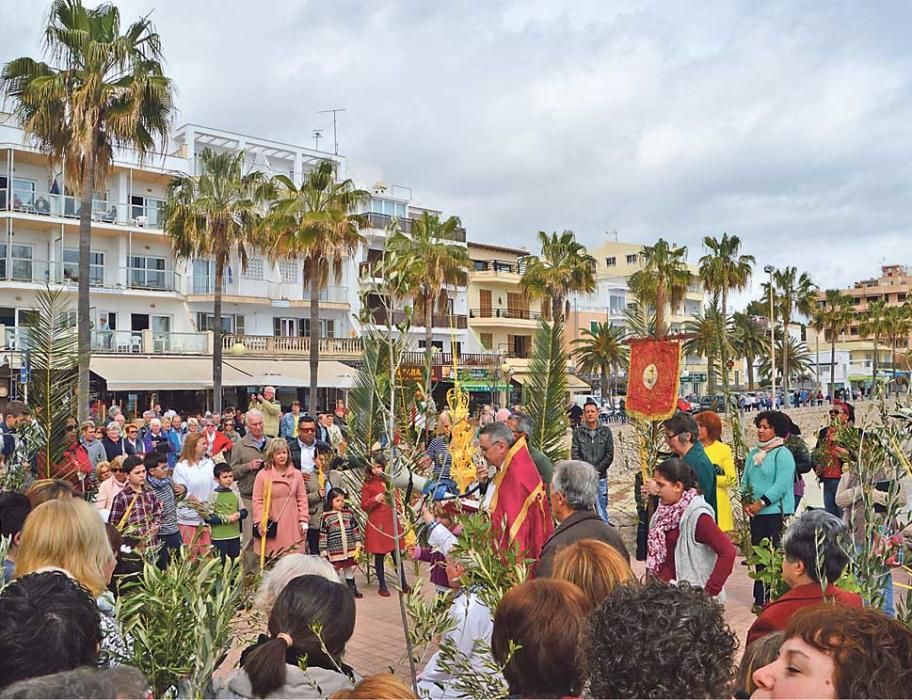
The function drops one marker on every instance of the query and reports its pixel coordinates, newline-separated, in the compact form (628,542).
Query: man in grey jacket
(593,443)
(93,447)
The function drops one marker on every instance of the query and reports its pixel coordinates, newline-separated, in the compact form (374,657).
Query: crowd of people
(269,488)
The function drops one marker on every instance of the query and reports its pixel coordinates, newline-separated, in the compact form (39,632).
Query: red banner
(654,378)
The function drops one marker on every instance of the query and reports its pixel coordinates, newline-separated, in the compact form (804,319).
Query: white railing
(295,345)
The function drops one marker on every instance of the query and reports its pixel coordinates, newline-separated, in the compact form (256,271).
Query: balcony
(445,359)
(516,314)
(348,348)
(380,316)
(501,267)
(124,341)
(265,289)
(381,221)
(40,203)
(33,271)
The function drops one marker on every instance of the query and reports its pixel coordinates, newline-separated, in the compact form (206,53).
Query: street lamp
(769,269)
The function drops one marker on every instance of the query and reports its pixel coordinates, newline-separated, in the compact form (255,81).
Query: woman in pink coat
(283,487)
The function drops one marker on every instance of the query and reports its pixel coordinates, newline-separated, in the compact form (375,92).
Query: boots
(353,588)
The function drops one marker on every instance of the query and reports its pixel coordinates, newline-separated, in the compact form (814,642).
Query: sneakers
(353,588)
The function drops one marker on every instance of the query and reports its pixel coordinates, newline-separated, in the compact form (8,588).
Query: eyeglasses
(669,436)
(70,427)
(838,413)
(116,469)
(308,430)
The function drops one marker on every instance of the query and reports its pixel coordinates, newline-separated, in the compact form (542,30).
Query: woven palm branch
(546,390)
(53,354)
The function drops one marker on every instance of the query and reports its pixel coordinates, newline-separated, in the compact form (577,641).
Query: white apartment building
(147,305)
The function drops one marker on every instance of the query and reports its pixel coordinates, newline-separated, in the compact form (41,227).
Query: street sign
(23,375)
(694,378)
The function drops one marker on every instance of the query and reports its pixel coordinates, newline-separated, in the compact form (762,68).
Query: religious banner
(653,379)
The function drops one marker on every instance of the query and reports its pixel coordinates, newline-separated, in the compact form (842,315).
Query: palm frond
(53,353)
(546,391)
(365,399)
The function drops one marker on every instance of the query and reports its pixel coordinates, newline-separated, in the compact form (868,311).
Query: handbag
(272,526)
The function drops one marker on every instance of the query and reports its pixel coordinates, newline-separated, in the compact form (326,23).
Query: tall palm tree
(213,215)
(564,266)
(836,316)
(750,341)
(723,270)
(100,90)
(602,350)
(818,322)
(662,281)
(873,324)
(800,358)
(313,222)
(706,332)
(792,293)
(443,263)
(898,322)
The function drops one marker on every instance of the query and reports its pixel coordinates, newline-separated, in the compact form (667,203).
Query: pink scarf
(764,448)
(667,517)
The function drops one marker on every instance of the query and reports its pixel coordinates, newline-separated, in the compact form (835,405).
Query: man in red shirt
(815,547)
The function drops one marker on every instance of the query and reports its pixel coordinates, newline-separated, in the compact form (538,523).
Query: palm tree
(898,323)
(563,267)
(313,222)
(602,350)
(101,90)
(874,325)
(799,357)
(819,323)
(213,215)
(443,263)
(792,293)
(662,281)
(723,270)
(706,332)
(836,317)
(750,341)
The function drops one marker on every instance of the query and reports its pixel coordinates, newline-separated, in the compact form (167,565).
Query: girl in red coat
(378,533)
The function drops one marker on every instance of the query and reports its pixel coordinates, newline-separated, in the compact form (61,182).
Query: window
(231,323)
(617,303)
(387,207)
(487,341)
(611,262)
(593,326)
(327,327)
(146,211)
(23,194)
(146,272)
(71,266)
(288,269)
(631,259)
(255,269)
(20,259)
(480,265)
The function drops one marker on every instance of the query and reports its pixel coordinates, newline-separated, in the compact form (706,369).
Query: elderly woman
(815,548)
(831,651)
(286,569)
(767,485)
(709,427)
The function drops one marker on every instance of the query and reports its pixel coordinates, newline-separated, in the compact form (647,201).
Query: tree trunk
(314,340)
(785,359)
(723,346)
(712,389)
(604,383)
(428,340)
(876,363)
(220,265)
(660,302)
(84,334)
(557,308)
(832,364)
(750,373)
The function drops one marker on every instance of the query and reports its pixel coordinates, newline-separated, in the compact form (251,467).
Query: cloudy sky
(785,123)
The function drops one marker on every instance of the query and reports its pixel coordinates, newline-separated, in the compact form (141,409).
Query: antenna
(317,134)
(335,139)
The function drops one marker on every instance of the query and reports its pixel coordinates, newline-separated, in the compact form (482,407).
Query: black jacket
(582,525)
(597,449)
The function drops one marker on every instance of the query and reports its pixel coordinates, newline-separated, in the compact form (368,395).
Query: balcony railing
(381,221)
(150,342)
(31,270)
(265,289)
(64,206)
(521,314)
(293,345)
(437,320)
(465,359)
(517,267)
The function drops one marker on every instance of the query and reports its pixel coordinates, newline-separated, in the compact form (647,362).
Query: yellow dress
(720,455)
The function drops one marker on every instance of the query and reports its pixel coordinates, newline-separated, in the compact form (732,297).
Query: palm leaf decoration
(365,399)
(53,355)
(546,389)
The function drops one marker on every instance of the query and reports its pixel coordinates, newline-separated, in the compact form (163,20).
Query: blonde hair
(595,566)
(188,454)
(117,462)
(382,685)
(275,445)
(67,534)
(45,490)
(102,465)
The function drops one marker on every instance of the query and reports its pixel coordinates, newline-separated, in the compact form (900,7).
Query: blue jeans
(601,501)
(829,497)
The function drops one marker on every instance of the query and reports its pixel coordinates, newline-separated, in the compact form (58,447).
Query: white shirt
(308,454)
(199,481)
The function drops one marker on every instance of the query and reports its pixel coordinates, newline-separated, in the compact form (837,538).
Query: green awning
(481,386)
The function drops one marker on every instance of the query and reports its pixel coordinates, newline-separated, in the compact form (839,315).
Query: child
(14,508)
(166,492)
(227,513)
(136,511)
(340,537)
(378,537)
(435,557)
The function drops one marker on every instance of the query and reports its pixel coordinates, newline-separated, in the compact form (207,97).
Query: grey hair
(287,568)
(523,423)
(820,541)
(270,389)
(578,481)
(83,682)
(155,421)
(252,413)
(498,432)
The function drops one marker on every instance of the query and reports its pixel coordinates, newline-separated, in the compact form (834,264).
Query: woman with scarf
(301,656)
(767,485)
(684,541)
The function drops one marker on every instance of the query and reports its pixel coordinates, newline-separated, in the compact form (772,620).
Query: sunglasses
(116,469)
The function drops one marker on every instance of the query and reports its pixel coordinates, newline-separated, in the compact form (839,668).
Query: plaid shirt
(143,512)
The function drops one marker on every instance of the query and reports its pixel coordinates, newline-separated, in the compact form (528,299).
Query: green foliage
(662,280)
(469,680)
(53,348)
(546,390)
(602,352)
(564,266)
(769,557)
(180,622)
(366,399)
